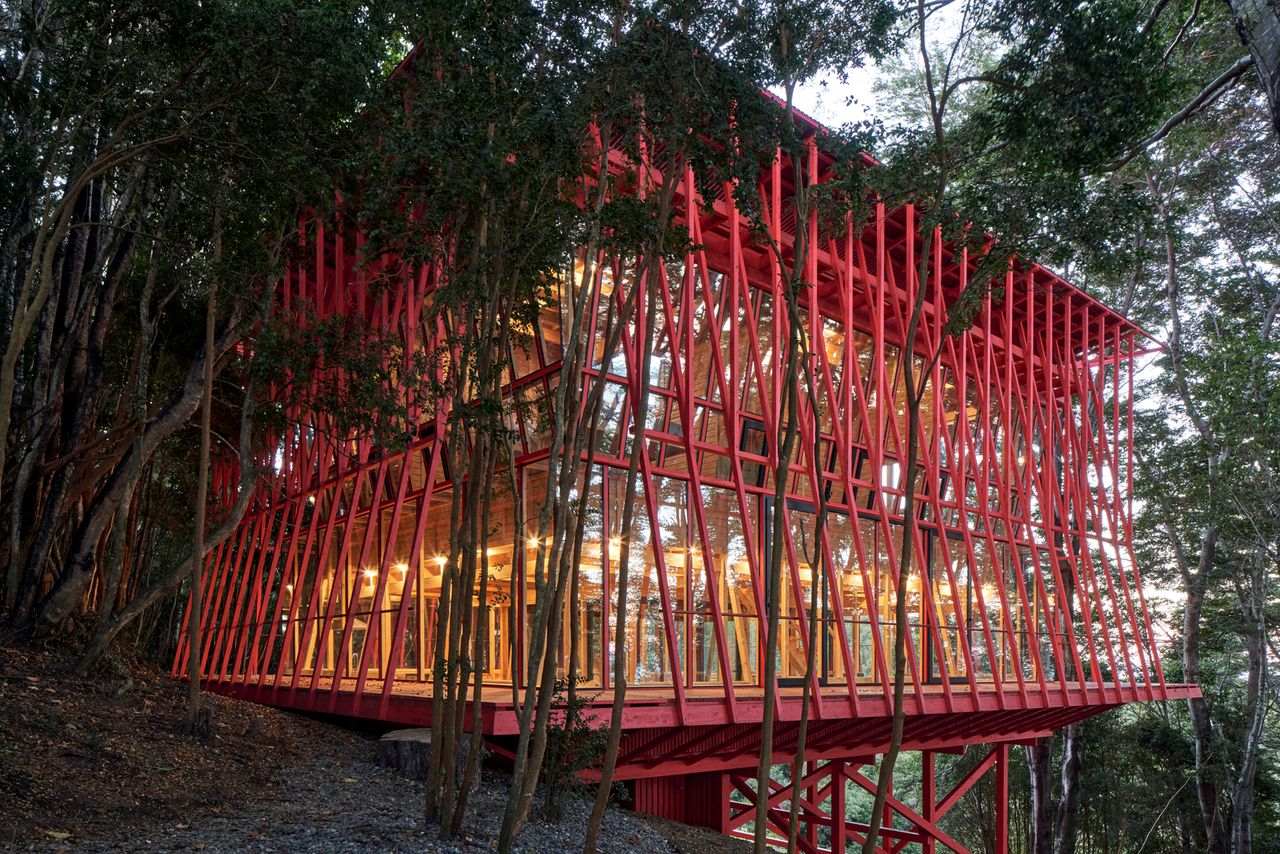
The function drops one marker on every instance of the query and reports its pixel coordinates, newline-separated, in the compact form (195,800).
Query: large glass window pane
(434,556)
(581,634)
(731,569)
(950,603)
(646,660)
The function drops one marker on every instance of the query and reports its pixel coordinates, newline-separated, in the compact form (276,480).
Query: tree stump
(408,751)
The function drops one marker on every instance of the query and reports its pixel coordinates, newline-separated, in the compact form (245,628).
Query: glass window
(731,562)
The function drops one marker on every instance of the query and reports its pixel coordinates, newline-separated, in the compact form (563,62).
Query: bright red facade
(1023,506)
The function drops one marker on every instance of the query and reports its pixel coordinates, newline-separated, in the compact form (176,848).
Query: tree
(1016,107)
(1137,76)
(194,722)
(127,127)
(1216,455)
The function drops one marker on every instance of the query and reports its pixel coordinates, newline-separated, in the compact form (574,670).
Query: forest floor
(100,765)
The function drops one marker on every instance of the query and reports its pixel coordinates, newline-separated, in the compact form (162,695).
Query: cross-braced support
(831,815)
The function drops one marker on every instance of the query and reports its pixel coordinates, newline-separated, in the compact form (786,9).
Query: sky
(834,103)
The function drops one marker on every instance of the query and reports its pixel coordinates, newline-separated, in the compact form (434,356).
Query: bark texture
(1258,23)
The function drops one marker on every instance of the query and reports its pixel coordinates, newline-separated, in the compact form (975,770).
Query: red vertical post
(838,835)
(1002,799)
(928,796)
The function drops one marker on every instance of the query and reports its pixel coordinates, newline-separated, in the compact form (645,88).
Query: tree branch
(1206,97)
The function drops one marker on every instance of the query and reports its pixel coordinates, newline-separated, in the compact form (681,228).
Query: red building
(1027,612)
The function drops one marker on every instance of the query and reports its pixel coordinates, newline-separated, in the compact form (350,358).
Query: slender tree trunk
(614,740)
(915,395)
(788,422)
(1039,759)
(479,653)
(1069,805)
(194,719)
(1253,635)
(1207,792)
(815,637)
(440,658)
(138,407)
(1201,722)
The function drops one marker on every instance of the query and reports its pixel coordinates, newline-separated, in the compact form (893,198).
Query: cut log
(408,751)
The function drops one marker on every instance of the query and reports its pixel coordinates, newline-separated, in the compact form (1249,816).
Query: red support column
(838,836)
(928,795)
(1002,799)
(812,826)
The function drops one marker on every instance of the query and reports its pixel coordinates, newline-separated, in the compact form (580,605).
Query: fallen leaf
(57,834)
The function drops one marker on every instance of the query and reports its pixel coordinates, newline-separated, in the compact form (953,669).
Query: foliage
(574,745)
(1095,136)
(1102,138)
(130,129)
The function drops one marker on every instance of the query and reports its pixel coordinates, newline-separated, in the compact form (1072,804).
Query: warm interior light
(834,341)
(441,560)
(371,574)
(289,588)
(402,568)
(533,542)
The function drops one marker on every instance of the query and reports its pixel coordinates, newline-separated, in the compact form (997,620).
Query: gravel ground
(343,806)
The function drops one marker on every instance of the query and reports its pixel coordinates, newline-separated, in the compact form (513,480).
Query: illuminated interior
(697,544)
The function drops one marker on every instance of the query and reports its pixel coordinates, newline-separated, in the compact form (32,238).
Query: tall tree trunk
(138,412)
(1069,806)
(915,391)
(1253,635)
(193,721)
(613,741)
(816,565)
(788,428)
(1039,760)
(1195,583)
(1201,722)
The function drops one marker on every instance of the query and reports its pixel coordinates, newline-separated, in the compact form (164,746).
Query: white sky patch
(835,103)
